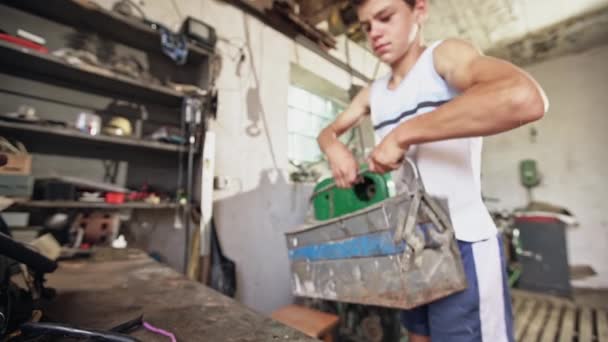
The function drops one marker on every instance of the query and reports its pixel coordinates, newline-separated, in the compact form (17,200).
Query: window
(307,115)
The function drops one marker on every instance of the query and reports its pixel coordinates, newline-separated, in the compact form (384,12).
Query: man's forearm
(484,109)
(326,139)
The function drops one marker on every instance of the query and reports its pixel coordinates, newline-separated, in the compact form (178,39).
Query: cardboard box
(18,164)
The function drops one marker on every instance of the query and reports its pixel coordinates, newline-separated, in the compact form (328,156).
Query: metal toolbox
(367,257)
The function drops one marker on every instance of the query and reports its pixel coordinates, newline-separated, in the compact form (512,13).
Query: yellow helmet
(118,126)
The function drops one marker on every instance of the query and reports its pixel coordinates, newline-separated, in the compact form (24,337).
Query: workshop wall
(571,152)
(259,202)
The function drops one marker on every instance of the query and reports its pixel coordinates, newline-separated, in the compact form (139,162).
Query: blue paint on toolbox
(377,244)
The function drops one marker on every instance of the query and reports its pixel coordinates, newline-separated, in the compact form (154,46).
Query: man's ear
(421,10)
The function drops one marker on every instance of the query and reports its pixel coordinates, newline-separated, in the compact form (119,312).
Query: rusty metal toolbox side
(354,259)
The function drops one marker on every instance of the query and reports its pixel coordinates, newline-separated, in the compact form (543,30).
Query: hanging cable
(177,10)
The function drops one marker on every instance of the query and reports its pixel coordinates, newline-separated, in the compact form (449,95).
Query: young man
(435,105)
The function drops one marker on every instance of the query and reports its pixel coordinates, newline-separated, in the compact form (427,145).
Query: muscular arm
(343,165)
(496,97)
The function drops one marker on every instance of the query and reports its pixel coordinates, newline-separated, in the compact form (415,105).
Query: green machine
(528,172)
(330,201)
(530,176)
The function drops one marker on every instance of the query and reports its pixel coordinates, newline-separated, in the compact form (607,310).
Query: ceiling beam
(281,25)
(569,36)
(317,11)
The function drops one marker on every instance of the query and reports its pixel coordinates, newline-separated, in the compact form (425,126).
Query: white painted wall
(260,204)
(571,154)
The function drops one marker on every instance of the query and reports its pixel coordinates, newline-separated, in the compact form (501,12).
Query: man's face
(391,26)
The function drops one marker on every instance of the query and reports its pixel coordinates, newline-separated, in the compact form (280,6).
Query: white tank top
(449,169)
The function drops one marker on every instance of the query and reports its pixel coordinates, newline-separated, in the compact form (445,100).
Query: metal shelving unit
(75,17)
(39,64)
(90,16)
(13,127)
(90,205)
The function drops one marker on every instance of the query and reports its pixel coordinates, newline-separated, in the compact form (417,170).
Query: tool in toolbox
(362,170)
(329,201)
(400,252)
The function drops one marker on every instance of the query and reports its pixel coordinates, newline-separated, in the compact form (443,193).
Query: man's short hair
(357,3)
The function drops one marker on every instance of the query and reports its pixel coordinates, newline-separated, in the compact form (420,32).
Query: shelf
(90,205)
(73,134)
(13,228)
(29,61)
(90,16)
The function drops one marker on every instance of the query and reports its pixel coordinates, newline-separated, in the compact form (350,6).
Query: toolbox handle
(363,169)
(410,176)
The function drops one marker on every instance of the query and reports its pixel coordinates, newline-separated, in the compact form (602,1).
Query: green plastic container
(336,202)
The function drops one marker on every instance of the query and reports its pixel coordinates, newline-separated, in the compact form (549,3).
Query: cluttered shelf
(30,61)
(74,134)
(88,15)
(28,204)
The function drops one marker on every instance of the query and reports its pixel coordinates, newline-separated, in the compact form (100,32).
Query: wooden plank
(514,302)
(552,327)
(537,323)
(602,325)
(519,303)
(585,325)
(313,323)
(556,301)
(567,326)
(523,318)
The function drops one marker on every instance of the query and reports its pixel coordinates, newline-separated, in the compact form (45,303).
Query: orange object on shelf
(115,197)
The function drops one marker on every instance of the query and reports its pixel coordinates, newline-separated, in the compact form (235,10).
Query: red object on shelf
(23,42)
(115,197)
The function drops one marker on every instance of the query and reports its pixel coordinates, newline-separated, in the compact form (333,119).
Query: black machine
(201,33)
(16,304)
(173,45)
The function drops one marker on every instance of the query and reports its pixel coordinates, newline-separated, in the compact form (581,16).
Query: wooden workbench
(118,285)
